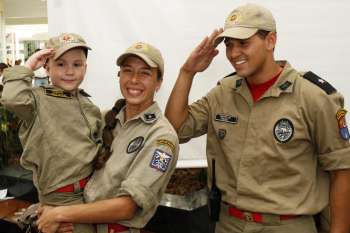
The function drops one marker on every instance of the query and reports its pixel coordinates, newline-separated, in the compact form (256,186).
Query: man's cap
(65,42)
(147,53)
(244,21)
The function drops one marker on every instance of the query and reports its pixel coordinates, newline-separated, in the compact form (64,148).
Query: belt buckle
(248,217)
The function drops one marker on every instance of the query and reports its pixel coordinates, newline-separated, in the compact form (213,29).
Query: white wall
(312,35)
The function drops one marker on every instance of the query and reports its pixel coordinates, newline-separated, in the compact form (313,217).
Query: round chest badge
(134,145)
(283,130)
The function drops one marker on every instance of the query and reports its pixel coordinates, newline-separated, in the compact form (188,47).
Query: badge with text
(283,130)
(221,133)
(57,93)
(226,118)
(343,128)
(160,160)
(135,145)
(167,143)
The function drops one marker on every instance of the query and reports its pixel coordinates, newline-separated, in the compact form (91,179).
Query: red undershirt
(257,90)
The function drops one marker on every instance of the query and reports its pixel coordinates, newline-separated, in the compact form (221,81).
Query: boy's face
(68,71)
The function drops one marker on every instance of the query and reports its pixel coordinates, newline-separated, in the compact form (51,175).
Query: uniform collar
(148,116)
(284,83)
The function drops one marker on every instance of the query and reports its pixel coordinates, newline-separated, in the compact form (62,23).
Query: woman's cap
(147,53)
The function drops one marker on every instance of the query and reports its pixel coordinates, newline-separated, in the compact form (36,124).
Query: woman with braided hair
(140,150)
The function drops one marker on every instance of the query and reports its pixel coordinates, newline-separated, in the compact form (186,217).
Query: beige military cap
(244,21)
(65,42)
(147,53)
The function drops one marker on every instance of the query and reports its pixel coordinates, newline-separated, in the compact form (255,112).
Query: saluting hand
(202,55)
(39,58)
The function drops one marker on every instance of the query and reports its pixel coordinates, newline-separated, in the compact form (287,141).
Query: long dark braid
(107,134)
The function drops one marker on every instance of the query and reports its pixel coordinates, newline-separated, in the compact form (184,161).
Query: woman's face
(138,82)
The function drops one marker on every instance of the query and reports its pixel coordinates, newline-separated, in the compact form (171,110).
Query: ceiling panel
(25,11)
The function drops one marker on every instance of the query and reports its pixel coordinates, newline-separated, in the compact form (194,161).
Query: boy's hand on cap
(39,58)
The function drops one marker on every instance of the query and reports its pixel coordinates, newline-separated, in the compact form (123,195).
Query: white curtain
(312,35)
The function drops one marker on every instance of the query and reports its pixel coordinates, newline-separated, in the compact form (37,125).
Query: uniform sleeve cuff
(336,160)
(143,196)
(18,73)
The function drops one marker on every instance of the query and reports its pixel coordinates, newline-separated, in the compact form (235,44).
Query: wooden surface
(8,209)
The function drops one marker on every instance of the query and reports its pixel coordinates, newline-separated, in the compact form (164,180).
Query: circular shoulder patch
(283,130)
(134,145)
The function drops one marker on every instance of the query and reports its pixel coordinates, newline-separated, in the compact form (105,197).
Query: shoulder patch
(320,82)
(343,128)
(83,93)
(167,143)
(160,160)
(57,93)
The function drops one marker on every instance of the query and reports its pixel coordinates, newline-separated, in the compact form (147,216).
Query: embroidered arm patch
(160,160)
(167,143)
(343,128)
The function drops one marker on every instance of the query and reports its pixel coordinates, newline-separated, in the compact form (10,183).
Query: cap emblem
(140,46)
(233,18)
(67,39)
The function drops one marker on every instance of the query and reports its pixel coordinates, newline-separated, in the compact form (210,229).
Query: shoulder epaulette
(320,82)
(230,74)
(83,93)
(218,83)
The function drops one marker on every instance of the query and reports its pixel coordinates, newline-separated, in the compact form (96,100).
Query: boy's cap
(65,42)
(147,53)
(244,21)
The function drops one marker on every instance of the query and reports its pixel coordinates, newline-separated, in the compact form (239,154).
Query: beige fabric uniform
(144,154)
(60,134)
(271,156)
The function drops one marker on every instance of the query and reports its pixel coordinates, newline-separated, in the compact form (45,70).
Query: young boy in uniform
(60,129)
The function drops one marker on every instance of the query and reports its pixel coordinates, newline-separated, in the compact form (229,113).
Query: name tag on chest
(226,118)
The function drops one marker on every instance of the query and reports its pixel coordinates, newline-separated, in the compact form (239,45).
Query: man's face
(138,82)
(68,71)
(249,56)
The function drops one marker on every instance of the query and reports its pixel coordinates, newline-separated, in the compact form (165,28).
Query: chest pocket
(94,119)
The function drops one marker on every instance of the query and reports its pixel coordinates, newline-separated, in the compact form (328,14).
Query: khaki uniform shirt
(144,154)
(59,133)
(271,156)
